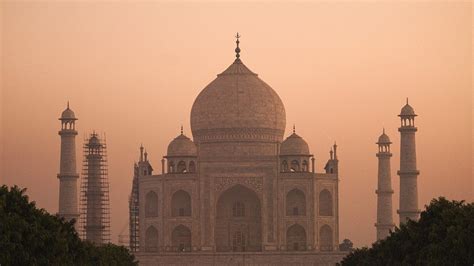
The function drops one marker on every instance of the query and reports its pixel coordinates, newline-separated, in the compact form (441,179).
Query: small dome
(182,146)
(68,114)
(294,145)
(94,140)
(384,139)
(407,110)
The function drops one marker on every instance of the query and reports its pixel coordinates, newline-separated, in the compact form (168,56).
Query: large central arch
(238,220)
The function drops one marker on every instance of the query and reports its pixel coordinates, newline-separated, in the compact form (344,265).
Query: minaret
(67,168)
(408,172)
(384,189)
(95,214)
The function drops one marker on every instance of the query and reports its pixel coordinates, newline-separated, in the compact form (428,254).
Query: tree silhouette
(444,235)
(32,236)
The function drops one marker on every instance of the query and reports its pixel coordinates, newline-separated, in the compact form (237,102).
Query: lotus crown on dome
(294,145)
(181,146)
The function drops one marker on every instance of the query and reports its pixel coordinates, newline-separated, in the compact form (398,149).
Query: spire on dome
(294,129)
(67,114)
(237,49)
(182,130)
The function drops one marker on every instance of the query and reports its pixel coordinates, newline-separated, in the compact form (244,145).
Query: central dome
(238,105)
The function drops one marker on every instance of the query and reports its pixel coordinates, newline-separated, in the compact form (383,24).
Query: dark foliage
(31,236)
(444,235)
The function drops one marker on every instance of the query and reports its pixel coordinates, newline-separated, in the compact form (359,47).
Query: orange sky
(343,71)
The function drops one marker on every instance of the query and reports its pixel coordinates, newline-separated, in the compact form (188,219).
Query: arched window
(151,204)
(238,200)
(284,166)
(171,167)
(181,239)
(325,236)
(181,167)
(238,241)
(296,238)
(238,210)
(325,203)
(181,204)
(295,203)
(295,166)
(192,167)
(305,166)
(151,239)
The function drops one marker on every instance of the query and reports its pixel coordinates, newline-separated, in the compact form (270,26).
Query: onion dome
(68,114)
(384,139)
(238,105)
(407,110)
(181,146)
(294,145)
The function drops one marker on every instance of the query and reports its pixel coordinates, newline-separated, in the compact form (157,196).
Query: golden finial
(237,49)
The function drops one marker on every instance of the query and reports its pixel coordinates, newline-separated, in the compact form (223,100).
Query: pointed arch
(181,238)
(295,166)
(295,203)
(284,166)
(181,168)
(171,168)
(325,203)
(151,204)
(181,204)
(243,231)
(305,166)
(151,239)
(325,238)
(296,238)
(192,167)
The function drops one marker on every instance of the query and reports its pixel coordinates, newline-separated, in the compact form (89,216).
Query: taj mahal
(239,186)
(240,192)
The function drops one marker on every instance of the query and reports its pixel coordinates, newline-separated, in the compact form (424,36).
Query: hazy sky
(343,71)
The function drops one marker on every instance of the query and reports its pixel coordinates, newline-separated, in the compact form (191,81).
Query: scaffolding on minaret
(133,210)
(94,198)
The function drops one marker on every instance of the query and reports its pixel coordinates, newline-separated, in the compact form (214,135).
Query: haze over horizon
(342,70)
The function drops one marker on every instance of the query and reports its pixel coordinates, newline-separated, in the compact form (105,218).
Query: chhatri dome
(407,110)
(238,105)
(294,145)
(182,146)
(384,139)
(68,114)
